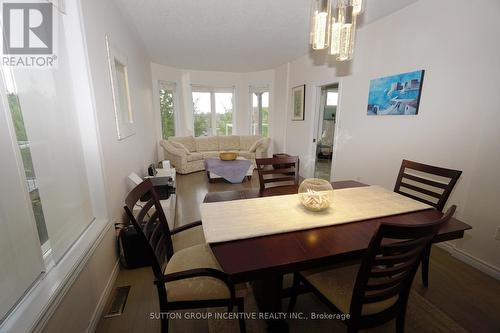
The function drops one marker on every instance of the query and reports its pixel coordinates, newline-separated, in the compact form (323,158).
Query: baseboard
(96,316)
(471,260)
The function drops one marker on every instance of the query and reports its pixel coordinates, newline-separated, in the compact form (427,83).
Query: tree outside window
(167,113)
(213,111)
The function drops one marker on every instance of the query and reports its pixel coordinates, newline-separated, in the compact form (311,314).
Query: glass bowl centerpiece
(315,194)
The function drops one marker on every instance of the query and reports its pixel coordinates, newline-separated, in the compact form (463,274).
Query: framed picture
(396,94)
(118,72)
(299,102)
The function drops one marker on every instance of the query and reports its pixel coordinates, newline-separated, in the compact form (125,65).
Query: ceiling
(230,35)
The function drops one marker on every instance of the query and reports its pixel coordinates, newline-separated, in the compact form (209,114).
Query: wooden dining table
(264,260)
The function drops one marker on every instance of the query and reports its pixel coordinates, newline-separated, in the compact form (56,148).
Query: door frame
(314,128)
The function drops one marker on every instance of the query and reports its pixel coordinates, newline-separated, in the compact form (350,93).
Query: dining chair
(278,170)
(190,278)
(376,290)
(431,185)
(182,237)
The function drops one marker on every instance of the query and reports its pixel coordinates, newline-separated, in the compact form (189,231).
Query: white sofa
(187,154)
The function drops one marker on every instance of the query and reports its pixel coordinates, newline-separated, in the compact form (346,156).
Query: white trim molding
(96,316)
(471,260)
(39,304)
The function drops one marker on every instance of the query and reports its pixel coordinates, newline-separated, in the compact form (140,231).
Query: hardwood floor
(459,298)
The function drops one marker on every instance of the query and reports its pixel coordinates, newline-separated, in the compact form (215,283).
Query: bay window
(212,110)
(259,112)
(167,108)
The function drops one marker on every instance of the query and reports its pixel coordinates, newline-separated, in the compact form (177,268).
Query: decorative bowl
(315,194)
(227,156)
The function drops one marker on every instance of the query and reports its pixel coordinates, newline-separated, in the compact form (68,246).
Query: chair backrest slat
(278,170)
(390,263)
(151,226)
(435,192)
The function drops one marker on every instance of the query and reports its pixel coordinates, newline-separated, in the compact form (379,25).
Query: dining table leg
(268,294)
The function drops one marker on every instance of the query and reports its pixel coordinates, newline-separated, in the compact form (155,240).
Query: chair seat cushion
(194,157)
(188,237)
(337,284)
(197,288)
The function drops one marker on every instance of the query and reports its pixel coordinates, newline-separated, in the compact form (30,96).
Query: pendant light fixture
(340,17)
(320,30)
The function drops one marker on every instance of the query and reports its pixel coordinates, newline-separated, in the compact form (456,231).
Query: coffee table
(213,176)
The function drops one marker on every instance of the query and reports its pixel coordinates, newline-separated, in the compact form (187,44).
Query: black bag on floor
(133,253)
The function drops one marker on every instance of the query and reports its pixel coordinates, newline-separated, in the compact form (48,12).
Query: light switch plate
(497,235)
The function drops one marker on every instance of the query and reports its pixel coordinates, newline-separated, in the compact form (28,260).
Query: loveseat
(187,154)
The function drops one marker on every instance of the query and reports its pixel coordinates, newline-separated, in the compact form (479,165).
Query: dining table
(264,260)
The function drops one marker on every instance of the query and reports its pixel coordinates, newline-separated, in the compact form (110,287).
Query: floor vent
(118,302)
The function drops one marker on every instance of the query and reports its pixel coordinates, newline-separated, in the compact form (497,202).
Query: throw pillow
(180,146)
(255,145)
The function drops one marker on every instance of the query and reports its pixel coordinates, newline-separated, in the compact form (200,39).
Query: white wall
(458,121)
(83,302)
(184,78)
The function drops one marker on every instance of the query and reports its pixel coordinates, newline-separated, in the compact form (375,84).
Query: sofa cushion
(256,144)
(231,142)
(209,154)
(246,154)
(194,157)
(246,141)
(207,143)
(187,141)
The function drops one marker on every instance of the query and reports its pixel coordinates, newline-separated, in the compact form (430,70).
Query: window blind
(259,89)
(165,85)
(201,88)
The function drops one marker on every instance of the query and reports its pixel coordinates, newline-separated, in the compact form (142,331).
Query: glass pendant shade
(320,27)
(347,33)
(359,6)
(335,27)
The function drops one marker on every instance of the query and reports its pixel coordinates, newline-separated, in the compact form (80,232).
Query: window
(260,111)
(29,170)
(45,200)
(121,91)
(213,111)
(167,93)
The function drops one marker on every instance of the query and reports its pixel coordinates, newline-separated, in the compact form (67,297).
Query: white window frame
(124,119)
(40,302)
(171,86)
(213,91)
(259,89)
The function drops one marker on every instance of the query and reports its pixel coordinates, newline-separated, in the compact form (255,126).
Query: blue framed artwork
(396,94)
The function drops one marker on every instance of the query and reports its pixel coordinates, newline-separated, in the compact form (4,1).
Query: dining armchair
(428,184)
(276,171)
(376,290)
(190,278)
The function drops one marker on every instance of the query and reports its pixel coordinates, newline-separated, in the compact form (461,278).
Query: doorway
(325,133)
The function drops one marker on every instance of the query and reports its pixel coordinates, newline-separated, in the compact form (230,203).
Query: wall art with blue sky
(396,94)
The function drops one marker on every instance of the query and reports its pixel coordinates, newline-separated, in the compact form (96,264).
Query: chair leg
(352,329)
(425,265)
(293,296)
(400,321)
(164,323)
(241,319)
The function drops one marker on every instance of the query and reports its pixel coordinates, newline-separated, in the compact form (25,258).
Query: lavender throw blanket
(232,171)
